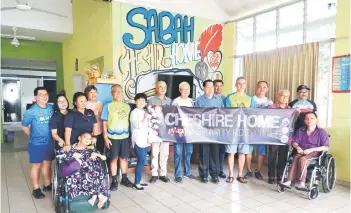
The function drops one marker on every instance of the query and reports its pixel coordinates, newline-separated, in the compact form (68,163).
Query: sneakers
(47,188)
(153,179)
(164,179)
(271,181)
(203,180)
(215,180)
(37,194)
(179,180)
(114,185)
(126,182)
(248,174)
(258,175)
(222,174)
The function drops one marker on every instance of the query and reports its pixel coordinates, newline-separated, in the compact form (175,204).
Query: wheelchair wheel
(60,207)
(329,174)
(313,193)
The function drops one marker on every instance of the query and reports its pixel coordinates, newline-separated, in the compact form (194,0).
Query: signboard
(221,125)
(341,74)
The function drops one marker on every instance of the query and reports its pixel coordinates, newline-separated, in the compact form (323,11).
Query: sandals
(229,180)
(241,180)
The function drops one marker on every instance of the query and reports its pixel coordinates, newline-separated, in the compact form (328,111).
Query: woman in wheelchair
(86,180)
(308,142)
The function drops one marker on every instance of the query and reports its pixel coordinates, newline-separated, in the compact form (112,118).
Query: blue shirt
(79,123)
(204,101)
(37,119)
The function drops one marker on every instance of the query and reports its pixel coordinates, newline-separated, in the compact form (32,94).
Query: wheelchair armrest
(321,156)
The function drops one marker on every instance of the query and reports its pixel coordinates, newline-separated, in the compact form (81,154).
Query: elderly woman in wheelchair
(83,172)
(311,144)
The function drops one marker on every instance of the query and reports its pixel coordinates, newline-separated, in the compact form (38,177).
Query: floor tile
(202,205)
(284,206)
(153,206)
(266,209)
(345,209)
(184,208)
(123,203)
(249,203)
(218,200)
(264,198)
(233,207)
(143,199)
(132,209)
(189,198)
(171,201)
(216,210)
(298,210)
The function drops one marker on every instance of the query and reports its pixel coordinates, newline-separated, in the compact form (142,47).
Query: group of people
(108,126)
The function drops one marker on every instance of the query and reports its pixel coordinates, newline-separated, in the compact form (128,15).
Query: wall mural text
(167,46)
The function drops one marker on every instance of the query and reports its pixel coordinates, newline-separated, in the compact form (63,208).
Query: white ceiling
(41,25)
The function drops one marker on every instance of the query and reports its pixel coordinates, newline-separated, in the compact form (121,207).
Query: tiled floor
(190,196)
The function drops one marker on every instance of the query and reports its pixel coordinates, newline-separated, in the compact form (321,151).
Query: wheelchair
(322,169)
(64,203)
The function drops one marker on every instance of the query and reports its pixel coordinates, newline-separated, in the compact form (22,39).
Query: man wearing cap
(302,105)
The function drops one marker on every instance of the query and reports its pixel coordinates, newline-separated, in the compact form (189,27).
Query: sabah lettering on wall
(162,42)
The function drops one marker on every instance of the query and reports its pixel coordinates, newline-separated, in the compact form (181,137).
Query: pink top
(97,108)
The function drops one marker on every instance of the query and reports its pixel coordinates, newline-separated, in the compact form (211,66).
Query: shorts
(260,147)
(241,148)
(40,153)
(119,148)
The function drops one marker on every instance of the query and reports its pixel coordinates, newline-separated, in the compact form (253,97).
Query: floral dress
(90,179)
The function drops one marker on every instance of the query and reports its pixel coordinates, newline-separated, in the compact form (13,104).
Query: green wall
(39,50)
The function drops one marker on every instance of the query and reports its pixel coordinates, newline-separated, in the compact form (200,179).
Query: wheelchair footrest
(81,204)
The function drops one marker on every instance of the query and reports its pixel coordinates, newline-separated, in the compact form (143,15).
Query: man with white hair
(159,148)
(183,100)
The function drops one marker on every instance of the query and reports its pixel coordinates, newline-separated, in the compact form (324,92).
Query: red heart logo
(214,59)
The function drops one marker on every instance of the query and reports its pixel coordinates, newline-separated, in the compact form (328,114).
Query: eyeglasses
(303,92)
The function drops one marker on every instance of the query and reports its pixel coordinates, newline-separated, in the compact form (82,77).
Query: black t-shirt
(79,123)
(57,122)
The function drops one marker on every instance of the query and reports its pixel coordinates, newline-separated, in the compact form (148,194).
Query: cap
(302,87)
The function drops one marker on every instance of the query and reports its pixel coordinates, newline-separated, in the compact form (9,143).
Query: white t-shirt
(183,102)
(139,127)
(261,102)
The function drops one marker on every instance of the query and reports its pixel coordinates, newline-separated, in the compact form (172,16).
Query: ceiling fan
(15,42)
(25,7)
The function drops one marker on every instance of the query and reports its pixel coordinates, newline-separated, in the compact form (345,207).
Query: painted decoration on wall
(160,42)
(341,74)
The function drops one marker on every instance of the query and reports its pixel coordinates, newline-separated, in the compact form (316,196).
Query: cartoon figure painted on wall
(162,42)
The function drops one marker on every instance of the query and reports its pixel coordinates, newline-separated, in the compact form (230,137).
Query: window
(266,31)
(244,37)
(302,21)
(285,26)
(291,25)
(323,97)
(321,20)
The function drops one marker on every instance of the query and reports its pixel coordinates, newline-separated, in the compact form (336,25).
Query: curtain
(284,68)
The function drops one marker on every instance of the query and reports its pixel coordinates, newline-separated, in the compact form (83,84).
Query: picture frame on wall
(341,74)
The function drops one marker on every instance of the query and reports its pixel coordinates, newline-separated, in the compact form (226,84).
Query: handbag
(69,167)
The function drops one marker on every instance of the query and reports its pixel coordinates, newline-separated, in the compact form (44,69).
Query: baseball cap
(302,87)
